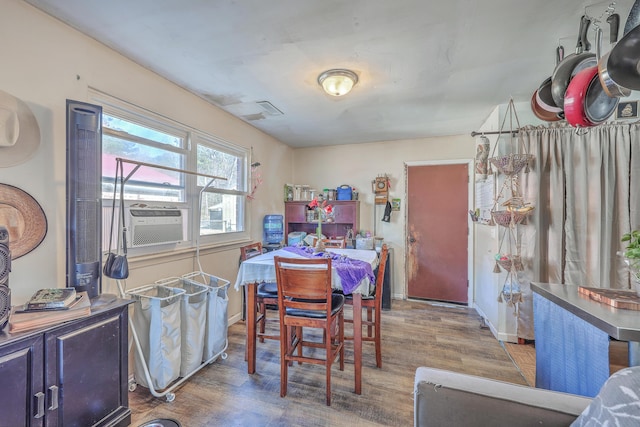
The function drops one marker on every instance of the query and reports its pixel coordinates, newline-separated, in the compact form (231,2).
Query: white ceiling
(426,68)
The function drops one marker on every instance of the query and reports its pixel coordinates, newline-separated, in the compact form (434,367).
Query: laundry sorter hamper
(193,316)
(156,329)
(215,335)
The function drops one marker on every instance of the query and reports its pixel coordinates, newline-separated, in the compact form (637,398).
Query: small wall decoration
(395,204)
(627,110)
(482,168)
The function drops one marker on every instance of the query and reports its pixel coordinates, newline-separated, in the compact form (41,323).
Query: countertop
(621,324)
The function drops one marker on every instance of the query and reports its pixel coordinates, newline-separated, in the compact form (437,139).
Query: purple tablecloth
(351,271)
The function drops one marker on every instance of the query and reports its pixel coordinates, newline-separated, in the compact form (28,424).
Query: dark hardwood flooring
(413,334)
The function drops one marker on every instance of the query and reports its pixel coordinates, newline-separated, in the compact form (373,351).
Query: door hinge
(467,283)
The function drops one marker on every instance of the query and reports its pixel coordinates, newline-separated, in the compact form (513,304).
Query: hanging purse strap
(113,206)
(124,228)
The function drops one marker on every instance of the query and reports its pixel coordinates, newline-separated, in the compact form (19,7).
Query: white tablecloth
(262,268)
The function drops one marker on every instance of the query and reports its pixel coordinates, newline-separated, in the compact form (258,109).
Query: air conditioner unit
(154,226)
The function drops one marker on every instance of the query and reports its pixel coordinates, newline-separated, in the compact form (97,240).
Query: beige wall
(358,164)
(46,62)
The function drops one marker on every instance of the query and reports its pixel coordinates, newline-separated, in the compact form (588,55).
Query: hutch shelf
(346,214)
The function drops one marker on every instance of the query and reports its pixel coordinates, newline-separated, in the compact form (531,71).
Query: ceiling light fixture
(337,82)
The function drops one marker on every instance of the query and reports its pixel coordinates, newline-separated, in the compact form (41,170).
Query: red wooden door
(437,212)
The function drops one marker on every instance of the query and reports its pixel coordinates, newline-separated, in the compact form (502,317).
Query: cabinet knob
(39,397)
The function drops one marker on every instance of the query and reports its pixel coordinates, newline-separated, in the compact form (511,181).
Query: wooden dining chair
(266,295)
(338,242)
(306,300)
(373,304)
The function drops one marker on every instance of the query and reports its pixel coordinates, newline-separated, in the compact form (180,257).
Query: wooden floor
(414,334)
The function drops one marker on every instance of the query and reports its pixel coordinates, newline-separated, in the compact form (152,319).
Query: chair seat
(337,302)
(267,290)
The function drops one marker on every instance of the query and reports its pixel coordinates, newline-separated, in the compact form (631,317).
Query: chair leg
(262,309)
(378,341)
(369,319)
(300,345)
(285,344)
(328,359)
(341,339)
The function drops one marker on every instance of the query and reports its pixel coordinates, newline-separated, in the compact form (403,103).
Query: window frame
(193,138)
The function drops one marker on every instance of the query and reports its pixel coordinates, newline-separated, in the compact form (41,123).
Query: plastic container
(343,192)
(331,194)
(364,242)
(273,227)
(295,237)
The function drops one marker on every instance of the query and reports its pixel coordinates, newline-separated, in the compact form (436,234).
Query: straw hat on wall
(19,131)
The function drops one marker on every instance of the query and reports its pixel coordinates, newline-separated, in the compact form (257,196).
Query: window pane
(120,125)
(147,183)
(218,163)
(221,213)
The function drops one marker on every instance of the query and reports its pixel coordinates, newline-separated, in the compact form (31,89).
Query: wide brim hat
(19,131)
(24,218)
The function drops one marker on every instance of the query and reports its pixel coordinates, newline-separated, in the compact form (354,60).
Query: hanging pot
(541,113)
(624,58)
(572,64)
(598,105)
(633,20)
(576,93)
(611,88)
(544,98)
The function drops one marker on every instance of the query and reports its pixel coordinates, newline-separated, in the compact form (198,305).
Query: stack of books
(49,306)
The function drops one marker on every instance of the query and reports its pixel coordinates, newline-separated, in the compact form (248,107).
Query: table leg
(251,327)
(357,340)
(634,353)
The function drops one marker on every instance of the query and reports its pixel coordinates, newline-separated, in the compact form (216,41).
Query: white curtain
(585,187)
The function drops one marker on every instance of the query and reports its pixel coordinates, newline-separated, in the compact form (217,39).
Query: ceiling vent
(269,108)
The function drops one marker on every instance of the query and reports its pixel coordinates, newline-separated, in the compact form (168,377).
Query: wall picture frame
(627,110)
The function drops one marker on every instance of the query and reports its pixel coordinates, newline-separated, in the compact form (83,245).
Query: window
(213,209)
(222,205)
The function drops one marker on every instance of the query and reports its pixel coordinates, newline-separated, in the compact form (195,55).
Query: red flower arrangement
(324,213)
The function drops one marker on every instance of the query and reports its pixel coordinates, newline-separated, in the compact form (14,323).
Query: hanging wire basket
(511,261)
(511,164)
(507,218)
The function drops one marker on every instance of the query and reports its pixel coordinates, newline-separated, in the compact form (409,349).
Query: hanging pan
(540,112)
(610,87)
(598,105)
(575,95)
(586,102)
(572,64)
(624,58)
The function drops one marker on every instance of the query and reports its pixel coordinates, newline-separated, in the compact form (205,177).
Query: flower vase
(634,268)
(319,244)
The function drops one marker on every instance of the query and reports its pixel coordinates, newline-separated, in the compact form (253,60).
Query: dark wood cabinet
(346,215)
(70,374)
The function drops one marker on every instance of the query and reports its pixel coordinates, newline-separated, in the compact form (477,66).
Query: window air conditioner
(154,226)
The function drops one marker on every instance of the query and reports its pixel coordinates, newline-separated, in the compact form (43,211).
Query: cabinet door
(87,362)
(22,401)
(295,212)
(344,213)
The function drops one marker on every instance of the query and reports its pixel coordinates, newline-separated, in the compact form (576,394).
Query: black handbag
(116,265)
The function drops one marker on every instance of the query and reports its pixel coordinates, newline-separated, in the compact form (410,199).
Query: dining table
(344,277)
